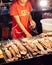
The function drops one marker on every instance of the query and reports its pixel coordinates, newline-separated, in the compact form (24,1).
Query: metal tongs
(34,30)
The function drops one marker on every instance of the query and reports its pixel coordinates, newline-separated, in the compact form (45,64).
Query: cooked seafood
(12,51)
(7,45)
(25,39)
(39,46)
(31,44)
(46,34)
(1,54)
(8,53)
(22,49)
(50,38)
(44,42)
(28,47)
(14,47)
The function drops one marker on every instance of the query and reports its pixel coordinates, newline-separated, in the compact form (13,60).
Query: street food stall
(36,50)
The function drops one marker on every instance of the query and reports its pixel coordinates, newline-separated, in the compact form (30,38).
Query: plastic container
(46,25)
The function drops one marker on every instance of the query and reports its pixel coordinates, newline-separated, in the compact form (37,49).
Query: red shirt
(23,13)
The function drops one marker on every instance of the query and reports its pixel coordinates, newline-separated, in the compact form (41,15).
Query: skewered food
(39,46)
(21,47)
(8,53)
(12,51)
(45,43)
(31,44)
(14,47)
(28,47)
(1,54)
(49,34)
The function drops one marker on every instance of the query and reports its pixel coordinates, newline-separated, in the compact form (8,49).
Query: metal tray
(37,59)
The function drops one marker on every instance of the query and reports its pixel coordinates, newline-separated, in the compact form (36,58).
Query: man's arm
(22,27)
(32,22)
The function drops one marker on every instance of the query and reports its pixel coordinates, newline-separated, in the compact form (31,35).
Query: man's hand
(28,35)
(32,23)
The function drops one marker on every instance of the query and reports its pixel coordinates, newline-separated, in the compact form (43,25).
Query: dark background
(6,19)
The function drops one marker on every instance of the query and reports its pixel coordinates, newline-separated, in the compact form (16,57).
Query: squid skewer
(40,46)
(8,53)
(14,47)
(22,49)
(12,51)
